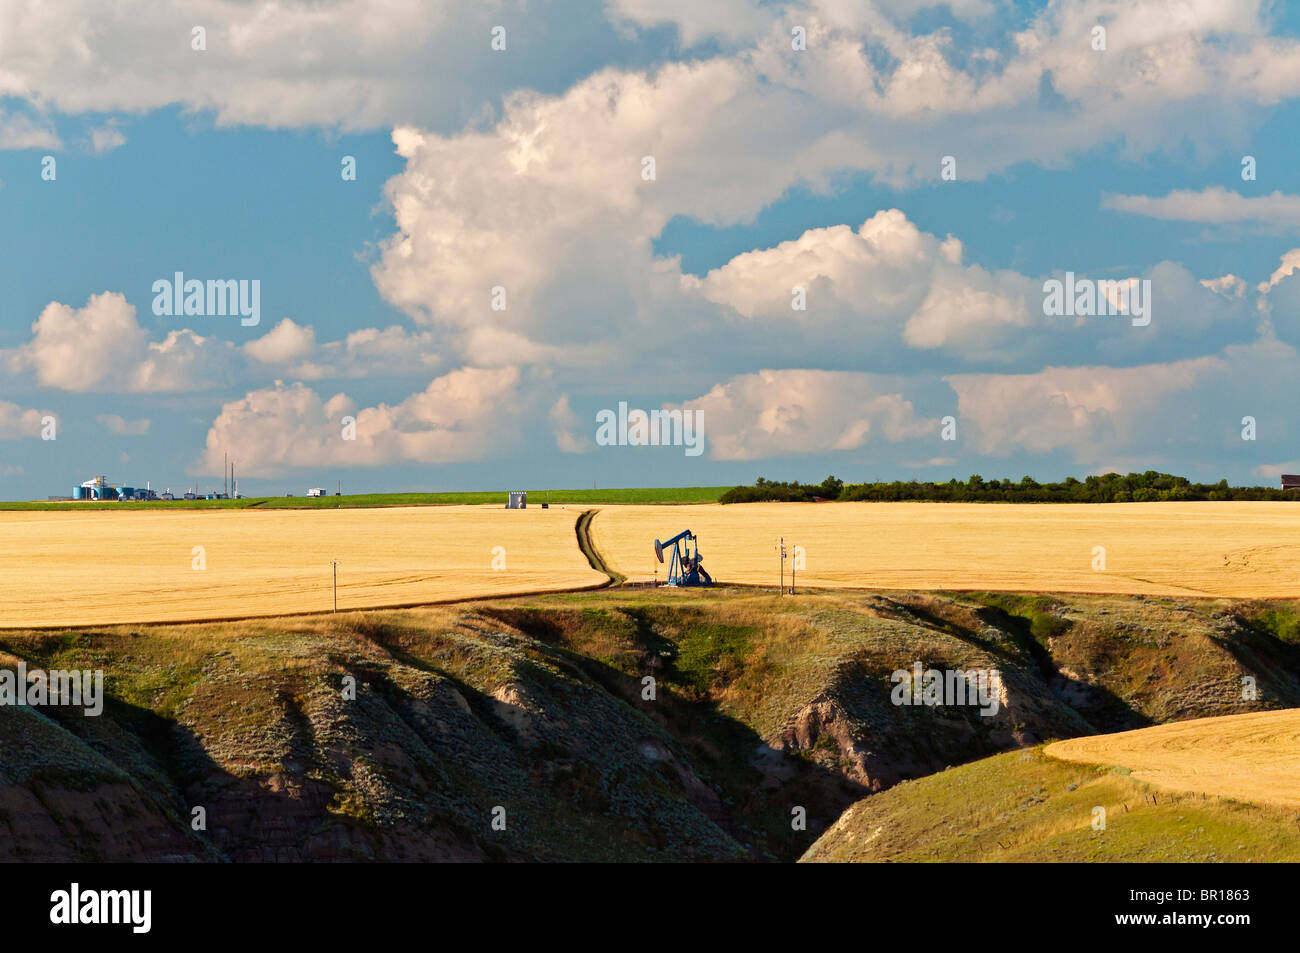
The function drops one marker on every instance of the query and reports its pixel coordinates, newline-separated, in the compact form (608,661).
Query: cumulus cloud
(1185,410)
(783,412)
(460,416)
(889,287)
(293,349)
(101,347)
(576,249)
(352,64)
(288,341)
(16,422)
(1081,409)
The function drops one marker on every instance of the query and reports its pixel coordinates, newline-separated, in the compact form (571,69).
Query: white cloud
(784,412)
(284,343)
(463,415)
(1290,263)
(568,428)
(1081,409)
(1188,410)
(101,347)
(18,131)
(1214,205)
(293,348)
(1229,285)
(106,138)
(16,422)
(1274,471)
(119,425)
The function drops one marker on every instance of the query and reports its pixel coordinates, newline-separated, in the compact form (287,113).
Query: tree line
(1148,487)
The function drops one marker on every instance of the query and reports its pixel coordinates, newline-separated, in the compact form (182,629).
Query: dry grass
(1233,549)
(1254,757)
(106,567)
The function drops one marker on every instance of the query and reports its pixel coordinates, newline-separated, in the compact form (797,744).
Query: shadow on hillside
(757,803)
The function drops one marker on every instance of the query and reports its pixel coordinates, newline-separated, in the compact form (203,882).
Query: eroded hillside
(530,728)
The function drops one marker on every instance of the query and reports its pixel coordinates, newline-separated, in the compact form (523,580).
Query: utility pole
(225,466)
(335,564)
(780,546)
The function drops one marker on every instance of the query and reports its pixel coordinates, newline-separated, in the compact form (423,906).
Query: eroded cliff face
(604,726)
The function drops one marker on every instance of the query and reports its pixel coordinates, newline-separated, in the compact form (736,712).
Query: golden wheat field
(100,567)
(1236,549)
(1254,757)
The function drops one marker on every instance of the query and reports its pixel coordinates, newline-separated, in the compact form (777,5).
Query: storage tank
(78,492)
(126,493)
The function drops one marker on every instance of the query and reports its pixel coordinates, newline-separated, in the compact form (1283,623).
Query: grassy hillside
(1023,806)
(539,705)
(687,494)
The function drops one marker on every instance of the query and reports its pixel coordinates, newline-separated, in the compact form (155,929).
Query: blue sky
(523,169)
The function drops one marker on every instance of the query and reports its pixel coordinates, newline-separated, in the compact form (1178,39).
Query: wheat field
(1254,757)
(1235,549)
(114,566)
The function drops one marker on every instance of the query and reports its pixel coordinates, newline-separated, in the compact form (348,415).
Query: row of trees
(1148,487)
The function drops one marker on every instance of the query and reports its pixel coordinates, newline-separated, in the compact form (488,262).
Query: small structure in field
(518,500)
(1291,481)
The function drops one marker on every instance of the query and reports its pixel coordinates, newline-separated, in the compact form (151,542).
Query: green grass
(710,653)
(1281,621)
(1034,610)
(1023,806)
(682,494)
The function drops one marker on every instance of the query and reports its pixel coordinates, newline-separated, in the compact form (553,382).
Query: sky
(825,231)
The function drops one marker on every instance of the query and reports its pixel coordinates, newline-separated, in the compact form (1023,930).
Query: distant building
(518,500)
(318,491)
(1291,481)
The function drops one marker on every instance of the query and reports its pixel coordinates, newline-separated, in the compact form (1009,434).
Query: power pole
(335,564)
(780,546)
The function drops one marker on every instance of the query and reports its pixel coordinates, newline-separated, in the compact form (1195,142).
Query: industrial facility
(98,488)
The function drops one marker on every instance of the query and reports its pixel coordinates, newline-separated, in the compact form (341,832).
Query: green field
(683,494)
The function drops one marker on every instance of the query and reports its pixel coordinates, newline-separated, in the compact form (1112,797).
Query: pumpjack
(685,568)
